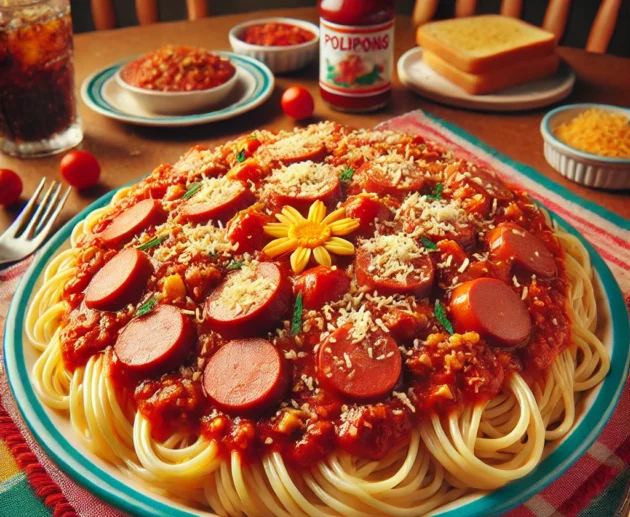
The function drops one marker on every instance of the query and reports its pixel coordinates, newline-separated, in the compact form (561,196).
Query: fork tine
(50,206)
(41,208)
(51,220)
(25,213)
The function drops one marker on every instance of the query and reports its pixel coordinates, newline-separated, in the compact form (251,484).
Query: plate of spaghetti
(319,322)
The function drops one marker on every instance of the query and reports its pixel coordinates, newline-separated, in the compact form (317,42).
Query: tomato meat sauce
(178,69)
(276,35)
(207,334)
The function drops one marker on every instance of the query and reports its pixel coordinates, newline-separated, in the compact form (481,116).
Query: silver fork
(34,223)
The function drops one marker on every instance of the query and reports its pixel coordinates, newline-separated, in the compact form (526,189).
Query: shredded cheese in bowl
(597,131)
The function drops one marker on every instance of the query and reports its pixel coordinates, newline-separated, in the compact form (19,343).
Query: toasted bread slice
(478,84)
(485,43)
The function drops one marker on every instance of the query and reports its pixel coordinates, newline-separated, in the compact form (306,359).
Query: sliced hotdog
(359,368)
(120,281)
(156,342)
(293,149)
(301,184)
(133,221)
(493,310)
(246,376)
(249,301)
(321,285)
(394,178)
(394,264)
(218,199)
(510,243)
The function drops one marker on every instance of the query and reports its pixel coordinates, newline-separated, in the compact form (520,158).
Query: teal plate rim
(91,93)
(113,490)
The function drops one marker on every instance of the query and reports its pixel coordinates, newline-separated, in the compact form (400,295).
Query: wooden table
(126,152)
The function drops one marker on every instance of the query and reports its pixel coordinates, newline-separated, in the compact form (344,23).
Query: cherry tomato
(80,169)
(320,285)
(10,187)
(297,103)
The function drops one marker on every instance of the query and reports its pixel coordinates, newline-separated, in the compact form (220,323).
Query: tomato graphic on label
(350,68)
(352,71)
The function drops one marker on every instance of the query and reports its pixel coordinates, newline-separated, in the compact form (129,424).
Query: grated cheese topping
(598,132)
(401,172)
(434,216)
(405,400)
(217,190)
(392,256)
(305,179)
(197,162)
(294,143)
(191,240)
(243,290)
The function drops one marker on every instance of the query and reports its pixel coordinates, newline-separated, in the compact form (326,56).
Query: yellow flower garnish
(317,234)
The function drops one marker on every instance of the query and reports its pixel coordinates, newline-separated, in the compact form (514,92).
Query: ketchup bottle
(356,53)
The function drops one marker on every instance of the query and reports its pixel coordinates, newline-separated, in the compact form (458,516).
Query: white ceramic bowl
(588,169)
(178,103)
(278,59)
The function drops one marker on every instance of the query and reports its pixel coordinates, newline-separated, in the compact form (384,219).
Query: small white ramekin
(178,103)
(278,59)
(588,169)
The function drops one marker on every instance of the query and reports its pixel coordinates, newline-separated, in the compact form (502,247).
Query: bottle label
(356,61)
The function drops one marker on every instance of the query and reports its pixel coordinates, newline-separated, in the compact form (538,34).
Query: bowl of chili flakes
(283,44)
(176,80)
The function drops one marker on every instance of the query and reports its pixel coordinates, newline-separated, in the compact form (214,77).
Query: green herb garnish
(346,174)
(146,307)
(431,246)
(296,321)
(234,265)
(192,190)
(437,193)
(440,314)
(152,243)
(252,137)
(240,157)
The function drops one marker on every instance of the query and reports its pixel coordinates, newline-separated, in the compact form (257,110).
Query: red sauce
(356,53)
(276,35)
(178,69)
(440,372)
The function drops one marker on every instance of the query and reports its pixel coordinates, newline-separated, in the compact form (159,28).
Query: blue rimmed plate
(54,431)
(102,94)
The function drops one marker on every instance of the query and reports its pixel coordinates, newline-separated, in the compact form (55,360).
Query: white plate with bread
(491,63)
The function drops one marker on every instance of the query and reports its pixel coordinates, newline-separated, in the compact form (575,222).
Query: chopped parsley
(152,243)
(234,265)
(240,157)
(252,137)
(296,321)
(440,314)
(346,174)
(192,190)
(146,307)
(437,193)
(430,245)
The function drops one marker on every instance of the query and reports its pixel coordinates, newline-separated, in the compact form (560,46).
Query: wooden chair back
(555,19)
(104,15)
